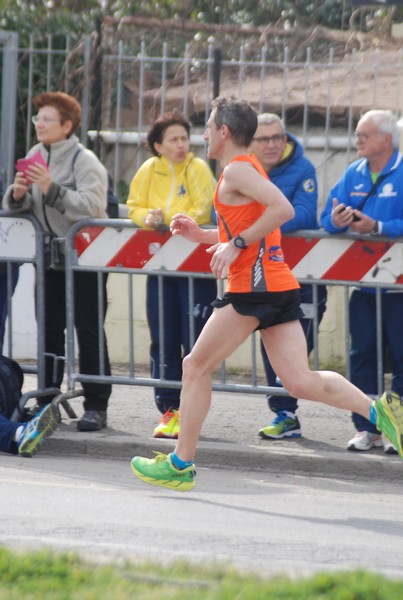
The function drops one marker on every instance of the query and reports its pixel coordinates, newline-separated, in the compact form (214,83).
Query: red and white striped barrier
(140,249)
(328,258)
(339,259)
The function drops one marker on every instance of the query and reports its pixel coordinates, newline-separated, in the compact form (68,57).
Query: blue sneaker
(36,430)
(283,426)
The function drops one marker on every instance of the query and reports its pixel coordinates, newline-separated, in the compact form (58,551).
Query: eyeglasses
(264,140)
(46,120)
(359,135)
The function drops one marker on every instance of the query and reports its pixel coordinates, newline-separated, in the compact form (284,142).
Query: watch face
(239,242)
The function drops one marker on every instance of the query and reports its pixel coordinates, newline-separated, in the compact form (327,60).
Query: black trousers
(86,324)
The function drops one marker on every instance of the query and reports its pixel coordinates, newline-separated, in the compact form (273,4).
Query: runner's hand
(223,255)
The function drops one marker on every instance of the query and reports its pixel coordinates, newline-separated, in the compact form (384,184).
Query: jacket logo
(387,191)
(181,190)
(359,186)
(309,185)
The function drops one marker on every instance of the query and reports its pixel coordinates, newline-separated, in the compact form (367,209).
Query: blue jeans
(177,342)
(288,403)
(363,355)
(7,433)
(3,298)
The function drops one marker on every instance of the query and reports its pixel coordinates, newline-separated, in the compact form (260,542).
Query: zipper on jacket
(172,192)
(43,202)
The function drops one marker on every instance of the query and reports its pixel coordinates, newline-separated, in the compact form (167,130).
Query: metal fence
(354,262)
(346,261)
(22,240)
(123,87)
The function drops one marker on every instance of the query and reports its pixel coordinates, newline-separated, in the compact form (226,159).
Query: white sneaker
(388,446)
(365,440)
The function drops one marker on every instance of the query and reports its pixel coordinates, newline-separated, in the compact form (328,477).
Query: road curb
(309,462)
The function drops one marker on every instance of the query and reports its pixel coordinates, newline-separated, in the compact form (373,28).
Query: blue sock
(180,464)
(372,414)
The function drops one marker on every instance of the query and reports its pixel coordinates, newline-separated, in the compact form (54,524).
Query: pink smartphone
(22,164)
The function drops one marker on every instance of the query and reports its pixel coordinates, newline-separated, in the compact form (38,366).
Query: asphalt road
(258,521)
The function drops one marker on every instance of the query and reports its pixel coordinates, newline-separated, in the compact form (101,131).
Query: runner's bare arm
(241,184)
(186,226)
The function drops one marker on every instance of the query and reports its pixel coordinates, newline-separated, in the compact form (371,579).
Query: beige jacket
(72,196)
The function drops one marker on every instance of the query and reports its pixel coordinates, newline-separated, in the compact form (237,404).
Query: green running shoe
(389,418)
(160,471)
(36,430)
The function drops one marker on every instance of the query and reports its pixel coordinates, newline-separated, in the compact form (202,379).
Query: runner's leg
(286,348)
(223,333)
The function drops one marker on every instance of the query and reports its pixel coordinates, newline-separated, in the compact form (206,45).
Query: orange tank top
(260,267)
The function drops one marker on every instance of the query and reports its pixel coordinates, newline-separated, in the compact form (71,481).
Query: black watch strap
(239,242)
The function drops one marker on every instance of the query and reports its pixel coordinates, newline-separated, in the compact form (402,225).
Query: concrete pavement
(229,437)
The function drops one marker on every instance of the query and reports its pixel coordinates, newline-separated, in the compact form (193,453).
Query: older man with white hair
(368,199)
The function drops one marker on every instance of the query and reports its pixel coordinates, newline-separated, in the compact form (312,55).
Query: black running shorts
(269,308)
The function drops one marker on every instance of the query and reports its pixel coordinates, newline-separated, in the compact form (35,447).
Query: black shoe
(92,420)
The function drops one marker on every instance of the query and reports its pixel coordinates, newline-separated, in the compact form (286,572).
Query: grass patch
(43,575)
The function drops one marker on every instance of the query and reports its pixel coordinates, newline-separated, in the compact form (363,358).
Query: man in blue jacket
(283,159)
(368,199)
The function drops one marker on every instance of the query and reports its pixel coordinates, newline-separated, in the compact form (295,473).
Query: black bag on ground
(11,381)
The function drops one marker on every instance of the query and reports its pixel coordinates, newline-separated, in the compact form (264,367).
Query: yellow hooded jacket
(187,187)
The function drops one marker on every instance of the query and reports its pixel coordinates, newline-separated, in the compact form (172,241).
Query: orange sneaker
(168,426)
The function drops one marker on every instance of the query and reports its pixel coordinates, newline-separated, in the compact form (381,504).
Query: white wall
(24,322)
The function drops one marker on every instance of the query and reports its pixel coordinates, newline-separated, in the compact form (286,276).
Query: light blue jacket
(385,205)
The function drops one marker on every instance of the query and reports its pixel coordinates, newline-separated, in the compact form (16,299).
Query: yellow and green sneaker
(389,418)
(168,426)
(283,426)
(160,471)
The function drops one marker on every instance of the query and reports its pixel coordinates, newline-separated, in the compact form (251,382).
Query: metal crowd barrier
(22,240)
(117,246)
(349,261)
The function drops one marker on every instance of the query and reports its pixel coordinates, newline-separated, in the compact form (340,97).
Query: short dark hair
(68,107)
(161,124)
(238,116)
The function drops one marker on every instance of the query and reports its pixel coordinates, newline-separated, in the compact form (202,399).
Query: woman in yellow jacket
(172,181)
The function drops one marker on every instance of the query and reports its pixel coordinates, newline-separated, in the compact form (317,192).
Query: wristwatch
(375,229)
(240,243)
